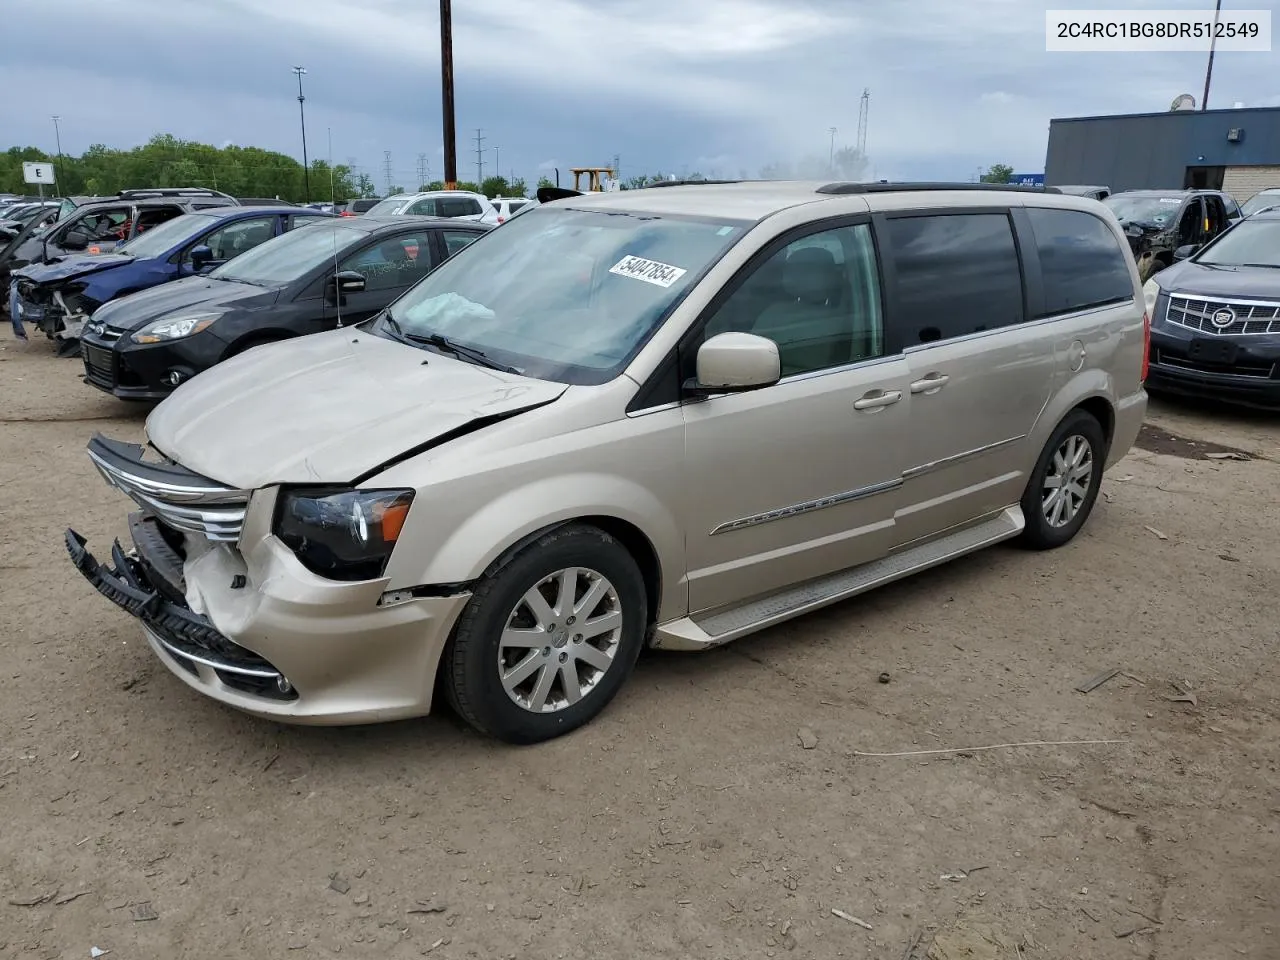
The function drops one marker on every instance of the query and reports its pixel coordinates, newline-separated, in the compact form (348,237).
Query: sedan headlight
(174,328)
(345,535)
(1150,291)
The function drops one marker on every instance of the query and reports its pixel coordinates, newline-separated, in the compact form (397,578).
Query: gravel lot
(689,820)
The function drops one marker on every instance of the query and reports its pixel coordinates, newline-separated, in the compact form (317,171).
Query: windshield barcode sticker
(650,271)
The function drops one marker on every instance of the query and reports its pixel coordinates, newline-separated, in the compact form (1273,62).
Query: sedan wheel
(1063,486)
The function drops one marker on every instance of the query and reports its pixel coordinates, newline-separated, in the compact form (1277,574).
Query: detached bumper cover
(189,639)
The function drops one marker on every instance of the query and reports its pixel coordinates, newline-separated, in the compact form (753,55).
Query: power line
(479,156)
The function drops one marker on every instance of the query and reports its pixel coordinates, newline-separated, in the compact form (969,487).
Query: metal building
(1233,150)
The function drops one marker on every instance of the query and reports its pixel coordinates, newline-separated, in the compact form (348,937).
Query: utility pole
(58,137)
(864,108)
(446,93)
(386,169)
(479,157)
(497,170)
(302,115)
(1213,41)
(831,157)
(422,170)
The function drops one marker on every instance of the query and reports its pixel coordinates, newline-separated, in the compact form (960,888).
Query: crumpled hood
(1248,283)
(69,267)
(328,408)
(186,296)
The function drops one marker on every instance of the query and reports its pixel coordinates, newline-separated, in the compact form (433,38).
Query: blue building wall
(1154,150)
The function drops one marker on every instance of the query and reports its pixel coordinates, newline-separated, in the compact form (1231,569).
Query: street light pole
(1213,42)
(446,93)
(831,158)
(302,115)
(58,137)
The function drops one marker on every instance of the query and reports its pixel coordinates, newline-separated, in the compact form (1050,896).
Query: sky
(717,87)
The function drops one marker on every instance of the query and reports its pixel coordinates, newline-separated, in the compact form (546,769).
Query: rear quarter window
(1081,261)
(956,274)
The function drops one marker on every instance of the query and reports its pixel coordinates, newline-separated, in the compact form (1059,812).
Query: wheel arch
(255,338)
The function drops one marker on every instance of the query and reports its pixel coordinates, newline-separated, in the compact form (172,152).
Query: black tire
(1039,533)
(470,663)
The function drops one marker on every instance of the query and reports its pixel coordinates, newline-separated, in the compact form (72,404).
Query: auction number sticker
(650,271)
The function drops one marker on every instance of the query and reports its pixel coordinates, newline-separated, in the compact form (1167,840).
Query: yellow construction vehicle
(596,177)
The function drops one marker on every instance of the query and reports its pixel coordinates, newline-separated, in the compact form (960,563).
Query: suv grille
(1223,318)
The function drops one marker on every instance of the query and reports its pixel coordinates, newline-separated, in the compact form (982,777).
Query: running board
(720,626)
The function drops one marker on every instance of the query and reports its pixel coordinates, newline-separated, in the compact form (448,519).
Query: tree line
(166,161)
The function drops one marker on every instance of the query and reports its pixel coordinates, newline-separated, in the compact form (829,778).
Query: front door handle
(930,384)
(876,399)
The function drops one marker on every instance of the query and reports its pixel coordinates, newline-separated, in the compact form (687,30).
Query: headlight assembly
(174,328)
(343,535)
(1150,291)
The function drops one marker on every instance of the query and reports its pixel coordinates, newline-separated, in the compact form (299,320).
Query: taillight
(502,220)
(1146,345)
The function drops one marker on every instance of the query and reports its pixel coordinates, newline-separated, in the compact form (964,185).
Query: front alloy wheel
(549,637)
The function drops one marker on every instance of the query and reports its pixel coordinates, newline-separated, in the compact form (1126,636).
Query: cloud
(717,85)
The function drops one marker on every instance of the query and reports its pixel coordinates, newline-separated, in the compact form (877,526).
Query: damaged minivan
(660,417)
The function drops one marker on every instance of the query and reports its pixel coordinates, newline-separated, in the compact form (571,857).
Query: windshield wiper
(441,342)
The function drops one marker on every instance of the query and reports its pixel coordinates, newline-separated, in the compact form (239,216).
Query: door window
(235,238)
(154,216)
(1190,228)
(1215,215)
(102,225)
(423,208)
(818,299)
(393,263)
(455,240)
(1081,261)
(957,274)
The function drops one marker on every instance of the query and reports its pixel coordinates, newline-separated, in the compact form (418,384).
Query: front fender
(479,539)
(108,285)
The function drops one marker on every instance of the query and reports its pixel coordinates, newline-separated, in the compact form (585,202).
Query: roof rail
(149,192)
(689,183)
(847,187)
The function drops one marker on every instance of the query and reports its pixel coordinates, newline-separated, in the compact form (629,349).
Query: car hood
(188,295)
(329,408)
(67,268)
(1227,282)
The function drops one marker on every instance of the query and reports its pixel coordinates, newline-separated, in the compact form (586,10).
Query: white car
(455,204)
(507,206)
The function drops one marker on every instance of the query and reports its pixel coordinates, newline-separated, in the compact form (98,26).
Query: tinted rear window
(956,274)
(457,207)
(363,206)
(1081,261)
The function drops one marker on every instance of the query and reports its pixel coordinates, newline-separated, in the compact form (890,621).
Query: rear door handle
(930,384)
(876,399)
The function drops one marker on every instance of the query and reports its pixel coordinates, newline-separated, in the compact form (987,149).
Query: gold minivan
(662,417)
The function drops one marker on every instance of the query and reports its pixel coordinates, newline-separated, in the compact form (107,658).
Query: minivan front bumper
(293,648)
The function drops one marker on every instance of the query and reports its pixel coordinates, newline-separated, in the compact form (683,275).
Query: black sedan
(316,277)
(1215,317)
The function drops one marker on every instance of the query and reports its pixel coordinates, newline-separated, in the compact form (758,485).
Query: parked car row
(576,436)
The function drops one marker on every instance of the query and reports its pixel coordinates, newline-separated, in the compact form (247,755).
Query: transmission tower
(386,168)
(863,108)
(479,157)
(422,170)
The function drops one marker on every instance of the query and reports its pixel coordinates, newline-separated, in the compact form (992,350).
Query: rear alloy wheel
(1064,485)
(548,638)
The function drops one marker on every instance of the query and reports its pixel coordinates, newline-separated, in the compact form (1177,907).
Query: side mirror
(344,282)
(1186,250)
(76,240)
(735,363)
(201,257)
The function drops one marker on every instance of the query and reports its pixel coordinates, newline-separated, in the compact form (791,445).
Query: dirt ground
(694,818)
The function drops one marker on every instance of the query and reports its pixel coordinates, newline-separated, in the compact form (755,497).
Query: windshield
(386,207)
(563,294)
(290,255)
(1157,210)
(1254,243)
(1260,201)
(159,240)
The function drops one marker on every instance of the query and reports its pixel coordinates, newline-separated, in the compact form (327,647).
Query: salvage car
(1158,222)
(97,227)
(1267,199)
(668,417)
(1215,317)
(327,274)
(59,297)
(453,204)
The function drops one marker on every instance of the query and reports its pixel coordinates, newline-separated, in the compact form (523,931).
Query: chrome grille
(1248,317)
(216,513)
